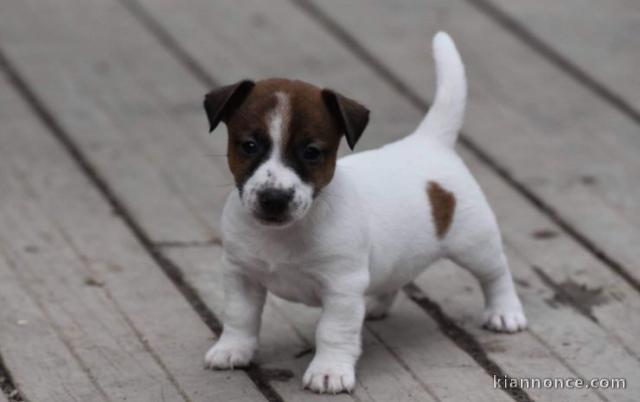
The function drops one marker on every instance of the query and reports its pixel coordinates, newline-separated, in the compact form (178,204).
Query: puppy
(345,235)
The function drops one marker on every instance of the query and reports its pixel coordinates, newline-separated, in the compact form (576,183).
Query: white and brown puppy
(346,235)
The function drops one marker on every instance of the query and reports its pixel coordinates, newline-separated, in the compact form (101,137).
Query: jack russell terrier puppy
(345,234)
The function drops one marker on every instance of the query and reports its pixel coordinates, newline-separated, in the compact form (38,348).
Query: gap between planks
(8,390)
(380,68)
(539,46)
(173,272)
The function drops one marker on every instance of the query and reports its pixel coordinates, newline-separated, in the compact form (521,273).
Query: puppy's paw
(325,376)
(505,320)
(229,355)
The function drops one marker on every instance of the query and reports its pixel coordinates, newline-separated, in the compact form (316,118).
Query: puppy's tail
(444,119)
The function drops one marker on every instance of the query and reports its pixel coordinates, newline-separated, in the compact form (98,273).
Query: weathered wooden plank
(29,343)
(554,260)
(602,41)
(117,314)
(61,287)
(33,350)
(549,133)
(70,61)
(578,341)
(291,58)
(432,358)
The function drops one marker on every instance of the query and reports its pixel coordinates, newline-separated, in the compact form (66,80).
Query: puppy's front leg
(337,344)
(244,300)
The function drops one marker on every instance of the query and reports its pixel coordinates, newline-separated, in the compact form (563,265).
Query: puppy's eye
(311,153)
(249,147)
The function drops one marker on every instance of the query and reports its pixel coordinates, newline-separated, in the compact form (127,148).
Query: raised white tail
(445,117)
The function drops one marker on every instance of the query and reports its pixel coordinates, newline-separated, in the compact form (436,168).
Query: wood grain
(98,311)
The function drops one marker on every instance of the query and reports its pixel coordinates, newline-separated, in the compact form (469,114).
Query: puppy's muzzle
(274,205)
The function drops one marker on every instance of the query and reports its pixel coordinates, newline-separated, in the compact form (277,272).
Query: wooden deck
(111,191)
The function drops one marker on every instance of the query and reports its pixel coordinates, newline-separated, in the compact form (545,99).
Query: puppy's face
(283,142)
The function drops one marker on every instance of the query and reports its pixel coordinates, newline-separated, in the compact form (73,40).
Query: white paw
(323,376)
(228,355)
(502,320)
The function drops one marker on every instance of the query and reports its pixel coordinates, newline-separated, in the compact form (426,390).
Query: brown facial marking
(308,122)
(443,204)
(249,122)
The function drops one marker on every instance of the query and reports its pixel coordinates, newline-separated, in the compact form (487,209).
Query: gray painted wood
(54,272)
(545,252)
(118,316)
(599,37)
(549,132)
(79,68)
(33,351)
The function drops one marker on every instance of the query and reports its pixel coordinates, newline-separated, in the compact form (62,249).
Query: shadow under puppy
(345,235)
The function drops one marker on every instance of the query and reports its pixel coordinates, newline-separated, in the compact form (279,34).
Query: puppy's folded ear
(221,102)
(351,116)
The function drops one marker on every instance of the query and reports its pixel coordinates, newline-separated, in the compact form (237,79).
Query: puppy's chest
(282,268)
(290,282)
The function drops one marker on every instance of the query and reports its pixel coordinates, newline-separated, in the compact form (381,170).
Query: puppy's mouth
(273,220)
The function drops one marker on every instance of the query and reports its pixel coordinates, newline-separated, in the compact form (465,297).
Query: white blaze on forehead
(278,121)
(274,173)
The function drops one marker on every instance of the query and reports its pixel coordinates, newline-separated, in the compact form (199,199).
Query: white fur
(368,233)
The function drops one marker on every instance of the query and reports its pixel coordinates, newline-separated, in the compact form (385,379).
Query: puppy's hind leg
(487,262)
(378,306)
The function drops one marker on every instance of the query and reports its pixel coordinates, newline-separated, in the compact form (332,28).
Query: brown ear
(352,116)
(221,102)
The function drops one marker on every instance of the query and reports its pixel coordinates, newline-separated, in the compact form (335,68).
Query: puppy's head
(283,142)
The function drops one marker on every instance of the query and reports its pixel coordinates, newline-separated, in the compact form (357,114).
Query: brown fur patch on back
(443,205)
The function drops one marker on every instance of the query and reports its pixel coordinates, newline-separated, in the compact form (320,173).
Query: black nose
(274,202)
